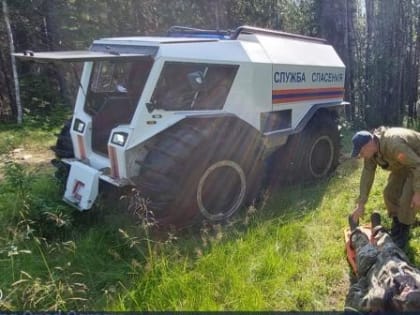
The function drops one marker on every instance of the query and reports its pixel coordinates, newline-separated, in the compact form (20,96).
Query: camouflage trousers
(386,281)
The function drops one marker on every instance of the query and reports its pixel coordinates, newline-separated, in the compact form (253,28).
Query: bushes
(39,93)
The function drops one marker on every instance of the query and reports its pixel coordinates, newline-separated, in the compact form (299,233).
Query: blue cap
(359,139)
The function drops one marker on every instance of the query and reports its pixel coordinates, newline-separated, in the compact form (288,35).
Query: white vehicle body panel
(82,185)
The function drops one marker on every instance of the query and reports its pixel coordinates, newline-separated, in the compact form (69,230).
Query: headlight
(79,125)
(119,138)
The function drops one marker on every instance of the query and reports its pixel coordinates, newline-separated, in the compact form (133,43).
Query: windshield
(114,91)
(193,86)
(110,77)
(116,78)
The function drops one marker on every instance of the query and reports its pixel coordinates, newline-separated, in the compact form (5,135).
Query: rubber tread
(323,123)
(165,177)
(63,149)
(64,144)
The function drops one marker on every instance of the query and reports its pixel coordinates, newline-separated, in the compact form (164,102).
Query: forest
(379,42)
(285,252)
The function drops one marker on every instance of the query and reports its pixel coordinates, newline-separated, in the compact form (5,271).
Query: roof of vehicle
(245,44)
(261,48)
(149,40)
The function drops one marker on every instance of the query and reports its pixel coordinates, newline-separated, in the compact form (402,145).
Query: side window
(218,81)
(174,90)
(193,86)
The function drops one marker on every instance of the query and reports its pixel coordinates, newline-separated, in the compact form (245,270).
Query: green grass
(287,254)
(35,132)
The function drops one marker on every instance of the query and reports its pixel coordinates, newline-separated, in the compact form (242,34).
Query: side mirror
(196,80)
(151,106)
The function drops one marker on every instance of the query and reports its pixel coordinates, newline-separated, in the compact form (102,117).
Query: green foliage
(376,41)
(285,254)
(38,94)
(38,132)
(275,259)
(44,25)
(34,228)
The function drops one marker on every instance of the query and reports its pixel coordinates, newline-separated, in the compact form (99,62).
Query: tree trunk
(417,65)
(6,91)
(350,44)
(412,65)
(368,87)
(13,60)
(52,38)
(336,23)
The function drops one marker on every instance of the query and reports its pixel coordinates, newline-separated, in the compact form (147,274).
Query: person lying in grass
(386,281)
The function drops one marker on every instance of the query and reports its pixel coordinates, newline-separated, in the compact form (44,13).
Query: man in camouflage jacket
(386,281)
(398,151)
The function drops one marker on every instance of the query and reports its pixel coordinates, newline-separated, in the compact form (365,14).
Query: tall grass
(286,254)
(288,257)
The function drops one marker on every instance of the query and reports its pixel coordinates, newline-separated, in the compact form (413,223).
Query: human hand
(358,211)
(415,201)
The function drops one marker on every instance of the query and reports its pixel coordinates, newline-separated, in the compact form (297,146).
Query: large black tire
(63,149)
(201,168)
(310,155)
(64,146)
(317,148)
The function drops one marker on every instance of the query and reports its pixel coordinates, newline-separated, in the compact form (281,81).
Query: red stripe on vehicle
(114,162)
(296,95)
(81,146)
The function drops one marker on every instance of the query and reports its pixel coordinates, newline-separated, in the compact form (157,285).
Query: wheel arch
(276,139)
(188,117)
(319,109)
(220,117)
(291,165)
(179,118)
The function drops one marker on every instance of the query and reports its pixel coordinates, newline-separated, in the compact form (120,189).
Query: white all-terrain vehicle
(188,119)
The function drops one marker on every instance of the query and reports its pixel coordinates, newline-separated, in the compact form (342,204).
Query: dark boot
(375,219)
(400,233)
(353,225)
(395,227)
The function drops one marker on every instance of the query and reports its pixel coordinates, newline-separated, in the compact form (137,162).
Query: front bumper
(82,185)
